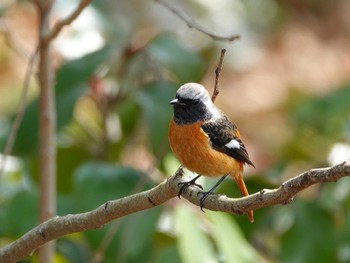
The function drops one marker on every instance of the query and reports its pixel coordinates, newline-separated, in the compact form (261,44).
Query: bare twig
(60,226)
(20,112)
(217,75)
(193,24)
(66,21)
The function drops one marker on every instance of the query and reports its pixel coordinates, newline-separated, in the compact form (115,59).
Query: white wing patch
(233,144)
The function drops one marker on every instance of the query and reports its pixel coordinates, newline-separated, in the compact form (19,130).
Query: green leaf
(154,100)
(230,240)
(317,123)
(193,244)
(313,111)
(72,79)
(19,214)
(138,234)
(68,159)
(95,183)
(186,65)
(168,254)
(310,239)
(128,112)
(79,70)
(5,125)
(71,84)
(73,251)
(130,238)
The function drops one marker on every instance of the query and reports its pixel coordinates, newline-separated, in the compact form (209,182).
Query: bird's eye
(195,102)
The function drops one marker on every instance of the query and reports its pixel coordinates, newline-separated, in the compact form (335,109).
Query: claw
(202,199)
(185,185)
(206,194)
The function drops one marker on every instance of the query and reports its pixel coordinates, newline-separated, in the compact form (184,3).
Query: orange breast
(192,148)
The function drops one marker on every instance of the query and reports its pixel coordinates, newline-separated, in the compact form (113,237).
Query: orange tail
(244,192)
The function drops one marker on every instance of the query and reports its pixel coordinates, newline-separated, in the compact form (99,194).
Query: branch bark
(217,75)
(47,128)
(60,226)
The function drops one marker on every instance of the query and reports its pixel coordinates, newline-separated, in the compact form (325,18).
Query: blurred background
(285,83)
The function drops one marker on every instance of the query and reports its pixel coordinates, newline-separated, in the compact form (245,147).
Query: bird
(205,140)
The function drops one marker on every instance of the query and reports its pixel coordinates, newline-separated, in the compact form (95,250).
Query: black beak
(176,102)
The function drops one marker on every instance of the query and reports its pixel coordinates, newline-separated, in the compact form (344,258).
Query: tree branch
(47,128)
(193,24)
(20,112)
(268,197)
(60,226)
(217,75)
(66,21)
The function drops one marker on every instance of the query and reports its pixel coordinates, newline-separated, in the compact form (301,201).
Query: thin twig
(60,226)
(217,75)
(65,21)
(20,112)
(191,23)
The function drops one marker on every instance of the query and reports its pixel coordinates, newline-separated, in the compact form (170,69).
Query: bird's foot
(203,198)
(206,194)
(185,185)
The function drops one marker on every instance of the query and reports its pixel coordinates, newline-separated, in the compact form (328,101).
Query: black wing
(220,133)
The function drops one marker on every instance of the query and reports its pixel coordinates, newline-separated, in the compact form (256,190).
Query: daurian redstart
(205,141)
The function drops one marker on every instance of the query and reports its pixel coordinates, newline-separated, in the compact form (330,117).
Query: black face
(188,111)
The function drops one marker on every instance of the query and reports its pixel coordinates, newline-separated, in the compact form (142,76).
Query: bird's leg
(185,185)
(206,194)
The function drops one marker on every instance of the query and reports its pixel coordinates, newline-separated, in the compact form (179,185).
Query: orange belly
(192,148)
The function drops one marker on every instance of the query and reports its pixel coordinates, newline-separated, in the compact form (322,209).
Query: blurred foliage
(317,123)
(112,118)
(71,83)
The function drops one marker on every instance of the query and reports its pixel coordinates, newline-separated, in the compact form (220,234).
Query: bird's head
(192,104)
